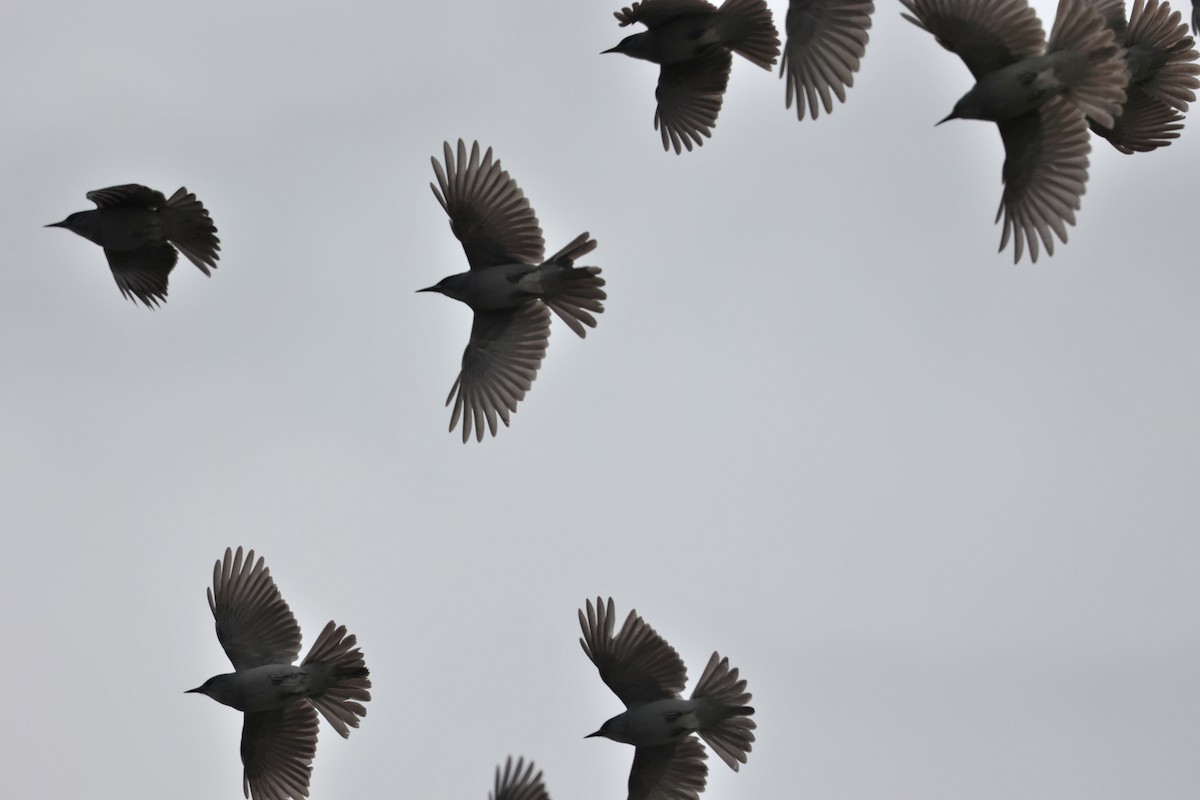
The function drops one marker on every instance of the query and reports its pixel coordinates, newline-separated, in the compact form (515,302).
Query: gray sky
(939,510)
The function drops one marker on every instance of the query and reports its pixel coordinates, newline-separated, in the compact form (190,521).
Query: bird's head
(452,286)
(75,222)
(213,687)
(635,46)
(615,729)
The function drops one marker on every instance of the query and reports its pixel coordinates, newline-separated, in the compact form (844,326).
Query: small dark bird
(1161,62)
(648,675)
(137,227)
(826,40)
(518,782)
(280,700)
(693,41)
(509,287)
(1040,95)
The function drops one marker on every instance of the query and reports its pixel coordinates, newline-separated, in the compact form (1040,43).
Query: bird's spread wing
(130,195)
(986,34)
(655,12)
(1146,123)
(1045,172)
(142,273)
(689,98)
(637,664)
(518,782)
(498,367)
(669,772)
(825,41)
(277,751)
(488,211)
(1113,12)
(254,624)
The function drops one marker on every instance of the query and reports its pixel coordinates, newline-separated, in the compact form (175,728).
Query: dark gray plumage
(280,700)
(1160,60)
(1039,94)
(140,230)
(826,40)
(648,676)
(693,42)
(509,287)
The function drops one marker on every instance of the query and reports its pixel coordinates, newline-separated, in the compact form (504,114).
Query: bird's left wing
(669,772)
(254,623)
(826,40)
(488,211)
(689,98)
(518,782)
(1045,172)
(143,273)
(499,365)
(278,747)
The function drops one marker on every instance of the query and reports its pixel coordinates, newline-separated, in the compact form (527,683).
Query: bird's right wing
(129,195)
(278,747)
(655,12)
(254,623)
(668,772)
(637,664)
(689,98)
(518,783)
(498,366)
(142,273)
(825,41)
(986,34)
(488,212)
(1045,172)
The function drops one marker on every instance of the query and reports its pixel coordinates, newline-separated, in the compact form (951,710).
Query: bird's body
(280,700)
(648,676)
(510,287)
(1040,94)
(826,40)
(140,230)
(693,41)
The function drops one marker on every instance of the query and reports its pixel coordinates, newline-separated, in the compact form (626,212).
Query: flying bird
(693,42)
(280,700)
(1160,60)
(826,40)
(648,676)
(510,287)
(1039,94)
(140,230)
(518,782)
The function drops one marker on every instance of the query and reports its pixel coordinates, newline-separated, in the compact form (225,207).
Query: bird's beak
(597,733)
(428,289)
(949,116)
(56,224)
(610,50)
(189,691)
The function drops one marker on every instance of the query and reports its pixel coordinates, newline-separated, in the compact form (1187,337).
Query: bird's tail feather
(748,29)
(191,230)
(728,729)
(1099,91)
(577,290)
(336,655)
(1155,26)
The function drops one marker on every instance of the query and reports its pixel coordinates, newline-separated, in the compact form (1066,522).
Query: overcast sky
(940,510)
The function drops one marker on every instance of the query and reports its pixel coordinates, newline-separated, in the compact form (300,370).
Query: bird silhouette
(137,227)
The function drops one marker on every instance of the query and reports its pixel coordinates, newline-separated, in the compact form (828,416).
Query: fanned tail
(748,29)
(1155,27)
(191,230)
(725,717)
(336,656)
(577,290)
